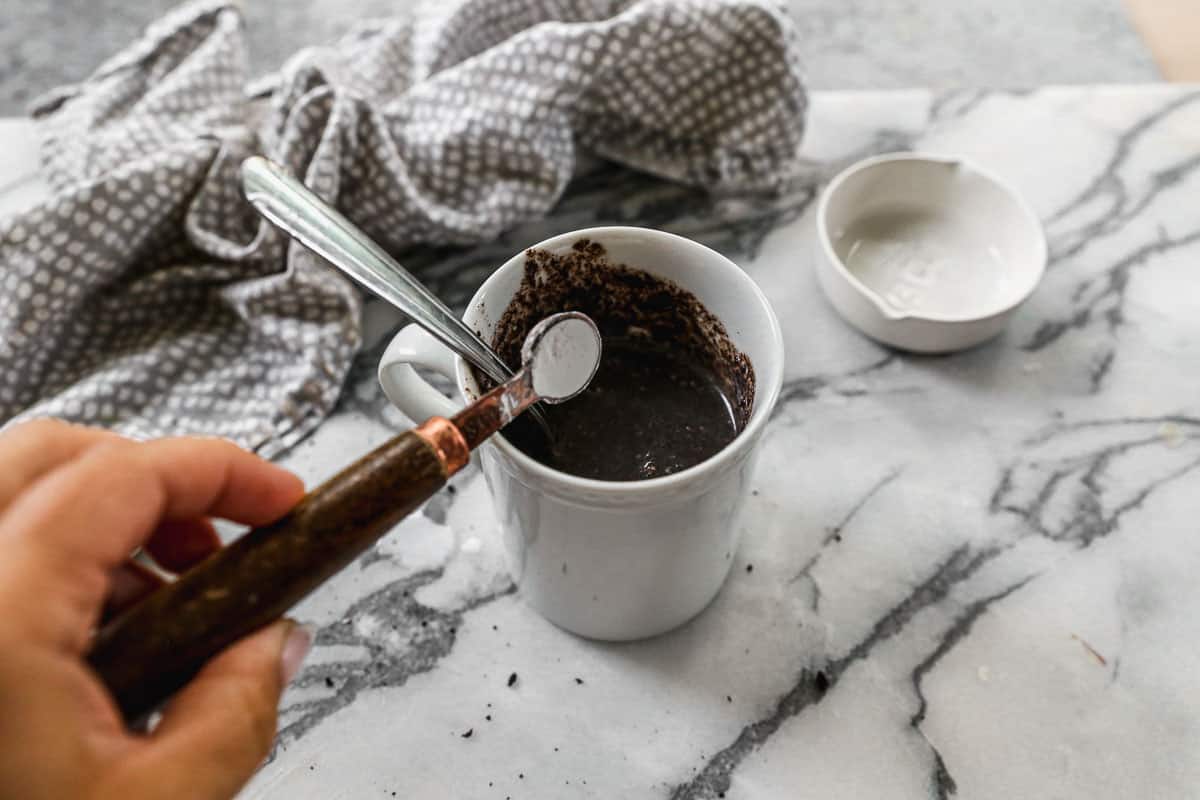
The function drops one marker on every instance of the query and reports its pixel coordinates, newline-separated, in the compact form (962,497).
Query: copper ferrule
(447,441)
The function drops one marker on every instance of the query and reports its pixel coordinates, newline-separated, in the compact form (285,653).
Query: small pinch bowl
(926,253)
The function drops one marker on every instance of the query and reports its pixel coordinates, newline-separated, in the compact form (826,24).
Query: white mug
(605,559)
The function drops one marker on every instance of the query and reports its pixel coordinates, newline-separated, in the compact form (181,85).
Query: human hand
(74,503)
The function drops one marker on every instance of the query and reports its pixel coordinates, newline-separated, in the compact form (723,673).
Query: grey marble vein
(812,686)
(1106,180)
(425,635)
(1104,297)
(809,387)
(1060,488)
(833,534)
(942,781)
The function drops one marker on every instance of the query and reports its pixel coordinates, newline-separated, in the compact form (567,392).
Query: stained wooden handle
(152,650)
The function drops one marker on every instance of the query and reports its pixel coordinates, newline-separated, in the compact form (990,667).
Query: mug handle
(408,391)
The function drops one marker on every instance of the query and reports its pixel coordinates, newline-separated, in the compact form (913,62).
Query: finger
(178,544)
(98,508)
(72,527)
(175,546)
(216,478)
(219,728)
(128,584)
(33,448)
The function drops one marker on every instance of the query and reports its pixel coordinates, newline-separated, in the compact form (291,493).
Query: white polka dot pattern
(147,296)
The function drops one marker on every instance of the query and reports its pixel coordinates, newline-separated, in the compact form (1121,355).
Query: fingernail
(299,642)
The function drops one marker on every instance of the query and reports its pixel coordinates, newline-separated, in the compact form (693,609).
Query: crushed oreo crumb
(617,296)
(749,568)
(579,681)
(470,732)
(512,680)
(329,683)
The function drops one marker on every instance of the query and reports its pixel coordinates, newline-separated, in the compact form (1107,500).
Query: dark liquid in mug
(671,391)
(649,412)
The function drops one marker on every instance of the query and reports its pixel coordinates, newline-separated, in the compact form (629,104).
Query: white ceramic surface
(613,560)
(926,253)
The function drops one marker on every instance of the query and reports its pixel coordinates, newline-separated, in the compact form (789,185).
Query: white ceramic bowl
(926,253)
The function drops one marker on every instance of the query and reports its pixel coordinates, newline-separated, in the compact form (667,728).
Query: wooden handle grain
(152,650)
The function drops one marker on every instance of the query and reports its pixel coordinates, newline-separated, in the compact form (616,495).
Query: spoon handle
(289,204)
(147,653)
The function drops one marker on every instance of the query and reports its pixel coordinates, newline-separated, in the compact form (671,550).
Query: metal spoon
(289,204)
(559,358)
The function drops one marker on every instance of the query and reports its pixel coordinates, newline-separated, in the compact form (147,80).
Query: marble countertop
(968,576)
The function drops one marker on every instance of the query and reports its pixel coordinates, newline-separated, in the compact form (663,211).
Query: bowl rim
(1035,275)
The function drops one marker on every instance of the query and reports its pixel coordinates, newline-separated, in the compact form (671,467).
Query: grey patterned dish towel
(148,297)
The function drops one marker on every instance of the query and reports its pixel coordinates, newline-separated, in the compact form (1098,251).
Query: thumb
(219,728)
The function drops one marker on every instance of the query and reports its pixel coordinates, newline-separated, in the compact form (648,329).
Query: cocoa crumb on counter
(512,680)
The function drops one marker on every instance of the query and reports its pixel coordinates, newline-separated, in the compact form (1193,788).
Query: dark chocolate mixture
(671,390)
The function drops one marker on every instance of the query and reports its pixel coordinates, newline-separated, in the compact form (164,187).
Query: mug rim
(770,387)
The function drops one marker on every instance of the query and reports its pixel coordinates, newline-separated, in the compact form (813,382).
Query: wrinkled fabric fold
(147,296)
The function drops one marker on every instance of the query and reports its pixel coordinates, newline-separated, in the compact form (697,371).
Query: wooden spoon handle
(153,649)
